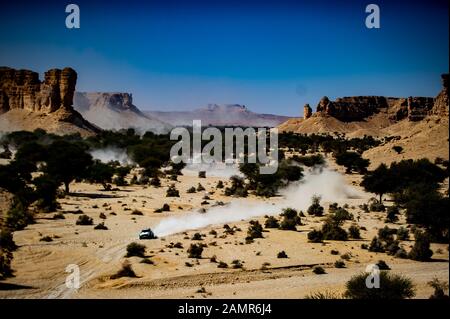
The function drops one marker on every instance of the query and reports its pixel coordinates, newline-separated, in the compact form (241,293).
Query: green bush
(392,286)
(382,265)
(282,254)
(376,245)
(290,219)
(402,234)
(339,264)
(191,190)
(135,249)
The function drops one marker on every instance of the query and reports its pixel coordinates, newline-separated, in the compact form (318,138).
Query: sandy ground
(41,266)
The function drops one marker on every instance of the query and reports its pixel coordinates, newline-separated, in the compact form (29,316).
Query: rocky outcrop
(307,111)
(350,109)
(115,110)
(440,106)
(22,89)
(28,103)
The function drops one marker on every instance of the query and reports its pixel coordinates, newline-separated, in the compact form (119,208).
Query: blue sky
(272,56)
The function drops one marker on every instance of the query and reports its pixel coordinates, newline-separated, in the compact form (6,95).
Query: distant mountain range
(219,115)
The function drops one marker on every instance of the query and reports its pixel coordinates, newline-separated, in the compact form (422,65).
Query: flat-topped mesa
(22,89)
(349,109)
(115,100)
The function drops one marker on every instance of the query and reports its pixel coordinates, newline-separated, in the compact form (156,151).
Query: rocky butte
(25,100)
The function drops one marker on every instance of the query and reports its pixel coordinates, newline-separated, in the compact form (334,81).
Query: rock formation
(440,106)
(24,98)
(114,111)
(307,111)
(21,89)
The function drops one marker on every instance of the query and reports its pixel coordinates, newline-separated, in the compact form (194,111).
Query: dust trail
(108,154)
(328,184)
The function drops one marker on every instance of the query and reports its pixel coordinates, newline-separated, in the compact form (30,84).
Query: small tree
(172,191)
(378,181)
(315,209)
(254,230)
(421,250)
(271,222)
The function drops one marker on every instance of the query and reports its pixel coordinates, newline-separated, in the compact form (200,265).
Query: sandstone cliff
(26,103)
(114,111)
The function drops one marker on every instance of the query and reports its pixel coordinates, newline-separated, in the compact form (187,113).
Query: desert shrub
(213,259)
(101,226)
(136,212)
(6,240)
(125,271)
(386,234)
(5,264)
(18,216)
(200,187)
(440,287)
(173,177)
(364,246)
(135,249)
(421,250)
(392,286)
(397,149)
(271,222)
(155,181)
(222,264)
(197,236)
(353,232)
(315,208)
(59,216)
(172,191)
(319,270)
(102,216)
(392,214)
(315,236)
(213,232)
(195,251)
(402,233)
(392,247)
(255,230)
(219,184)
(282,254)
(339,264)
(191,190)
(376,245)
(340,213)
(290,219)
(376,206)
(237,187)
(84,220)
(334,252)
(332,229)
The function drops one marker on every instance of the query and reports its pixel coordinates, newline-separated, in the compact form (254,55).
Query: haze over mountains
(220,115)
